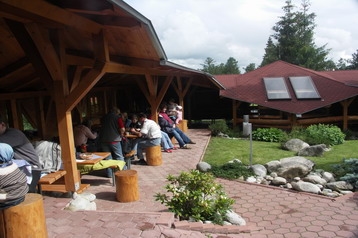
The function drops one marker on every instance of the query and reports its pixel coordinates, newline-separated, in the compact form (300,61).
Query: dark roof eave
(177,66)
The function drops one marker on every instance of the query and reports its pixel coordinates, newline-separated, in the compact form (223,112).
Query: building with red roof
(284,95)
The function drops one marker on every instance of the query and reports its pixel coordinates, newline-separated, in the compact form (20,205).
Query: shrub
(195,195)
(347,171)
(269,135)
(297,133)
(324,134)
(217,127)
(231,170)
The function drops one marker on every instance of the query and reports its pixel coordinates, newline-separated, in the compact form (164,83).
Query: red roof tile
(333,86)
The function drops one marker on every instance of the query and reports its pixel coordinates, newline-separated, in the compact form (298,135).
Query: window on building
(304,87)
(276,88)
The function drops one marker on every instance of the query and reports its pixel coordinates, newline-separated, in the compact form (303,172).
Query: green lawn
(222,150)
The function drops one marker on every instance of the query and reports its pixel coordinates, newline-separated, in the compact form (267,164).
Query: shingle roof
(333,86)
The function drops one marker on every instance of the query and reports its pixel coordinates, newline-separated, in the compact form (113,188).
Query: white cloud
(192,30)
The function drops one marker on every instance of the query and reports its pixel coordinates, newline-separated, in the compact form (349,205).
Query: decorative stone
(235,218)
(259,170)
(251,179)
(315,179)
(339,186)
(305,187)
(295,145)
(279,181)
(315,150)
(203,166)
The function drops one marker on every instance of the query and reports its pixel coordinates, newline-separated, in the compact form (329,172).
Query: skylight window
(304,87)
(276,88)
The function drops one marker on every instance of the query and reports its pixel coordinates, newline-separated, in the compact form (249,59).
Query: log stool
(183,125)
(24,220)
(153,155)
(127,186)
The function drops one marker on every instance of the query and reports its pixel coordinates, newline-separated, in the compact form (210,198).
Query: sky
(190,31)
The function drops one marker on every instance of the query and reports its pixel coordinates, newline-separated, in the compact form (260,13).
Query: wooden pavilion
(66,59)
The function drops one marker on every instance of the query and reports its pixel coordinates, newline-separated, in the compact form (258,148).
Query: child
(179,118)
(13,182)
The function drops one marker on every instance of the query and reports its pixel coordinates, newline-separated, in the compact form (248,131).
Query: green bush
(233,170)
(347,171)
(269,135)
(217,127)
(196,195)
(324,134)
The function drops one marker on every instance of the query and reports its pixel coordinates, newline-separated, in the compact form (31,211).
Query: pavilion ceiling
(131,44)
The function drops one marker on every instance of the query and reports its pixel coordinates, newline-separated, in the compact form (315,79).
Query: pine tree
(293,40)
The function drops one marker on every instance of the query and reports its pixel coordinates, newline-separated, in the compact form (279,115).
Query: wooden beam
(79,61)
(42,11)
(101,55)
(9,96)
(345,104)
(40,37)
(29,47)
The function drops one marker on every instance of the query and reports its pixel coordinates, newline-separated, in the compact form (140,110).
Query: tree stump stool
(24,220)
(153,155)
(127,186)
(183,125)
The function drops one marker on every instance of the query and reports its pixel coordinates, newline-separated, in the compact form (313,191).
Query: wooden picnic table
(94,158)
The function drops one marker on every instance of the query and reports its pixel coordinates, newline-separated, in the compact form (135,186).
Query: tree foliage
(230,67)
(348,64)
(292,40)
(250,67)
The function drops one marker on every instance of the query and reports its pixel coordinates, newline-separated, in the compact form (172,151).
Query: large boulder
(203,167)
(306,187)
(259,170)
(291,167)
(272,166)
(314,150)
(339,186)
(295,145)
(316,179)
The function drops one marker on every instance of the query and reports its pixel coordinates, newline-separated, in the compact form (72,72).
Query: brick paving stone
(327,234)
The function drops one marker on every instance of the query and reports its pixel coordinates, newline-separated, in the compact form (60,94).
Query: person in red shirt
(111,133)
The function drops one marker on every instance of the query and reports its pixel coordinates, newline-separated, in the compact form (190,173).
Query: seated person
(81,135)
(24,151)
(149,135)
(167,143)
(13,183)
(130,145)
(168,126)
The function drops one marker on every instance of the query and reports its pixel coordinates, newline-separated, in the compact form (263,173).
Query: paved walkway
(269,212)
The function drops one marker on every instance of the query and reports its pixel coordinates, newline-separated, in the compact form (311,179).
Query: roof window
(304,87)
(276,88)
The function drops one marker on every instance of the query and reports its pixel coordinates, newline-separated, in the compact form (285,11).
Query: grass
(222,150)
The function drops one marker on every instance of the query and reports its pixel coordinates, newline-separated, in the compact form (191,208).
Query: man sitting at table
(149,135)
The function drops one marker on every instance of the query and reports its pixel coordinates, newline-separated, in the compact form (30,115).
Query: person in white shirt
(149,135)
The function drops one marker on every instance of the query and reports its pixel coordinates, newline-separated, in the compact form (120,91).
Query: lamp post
(247,131)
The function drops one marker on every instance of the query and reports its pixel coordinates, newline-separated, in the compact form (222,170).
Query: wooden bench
(49,179)
(55,182)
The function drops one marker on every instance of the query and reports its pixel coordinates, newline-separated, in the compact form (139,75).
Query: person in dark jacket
(168,126)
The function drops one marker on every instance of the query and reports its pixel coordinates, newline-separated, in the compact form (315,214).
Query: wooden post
(127,186)
(153,155)
(24,220)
